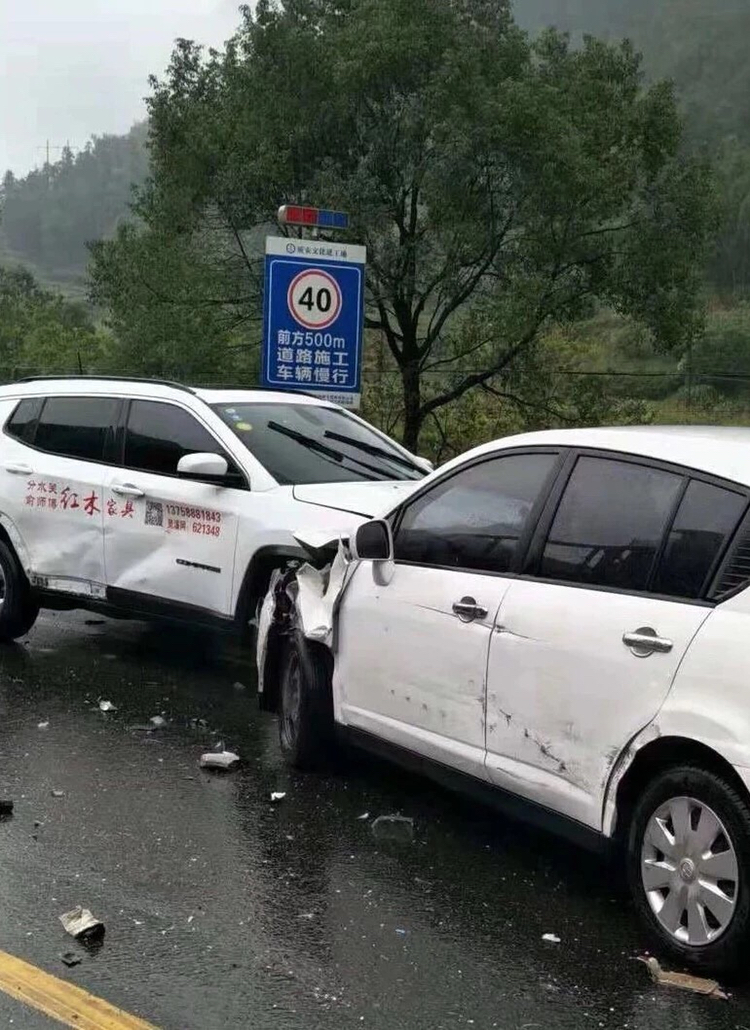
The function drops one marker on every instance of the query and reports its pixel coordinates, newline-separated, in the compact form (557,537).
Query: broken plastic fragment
(683,981)
(158,721)
(239,686)
(81,924)
(42,725)
(71,959)
(277,795)
(363,817)
(107,706)
(218,760)
(551,937)
(58,793)
(396,828)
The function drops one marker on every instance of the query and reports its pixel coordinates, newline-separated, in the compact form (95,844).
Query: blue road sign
(313,318)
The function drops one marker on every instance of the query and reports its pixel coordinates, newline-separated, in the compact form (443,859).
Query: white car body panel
(565,695)
(408,670)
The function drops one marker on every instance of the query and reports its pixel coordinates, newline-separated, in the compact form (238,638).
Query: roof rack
(104,378)
(255,388)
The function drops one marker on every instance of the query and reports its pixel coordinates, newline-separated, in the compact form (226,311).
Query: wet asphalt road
(223,910)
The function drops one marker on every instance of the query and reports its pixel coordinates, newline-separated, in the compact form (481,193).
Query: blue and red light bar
(313,217)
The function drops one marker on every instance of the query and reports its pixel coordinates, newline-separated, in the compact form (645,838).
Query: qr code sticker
(154,513)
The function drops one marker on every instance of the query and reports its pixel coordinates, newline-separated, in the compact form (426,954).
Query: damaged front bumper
(304,600)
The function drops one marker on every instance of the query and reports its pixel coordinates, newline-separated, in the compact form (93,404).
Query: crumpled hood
(365,499)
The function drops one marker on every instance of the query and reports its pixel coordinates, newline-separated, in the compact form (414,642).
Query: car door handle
(468,610)
(127,490)
(19,470)
(645,641)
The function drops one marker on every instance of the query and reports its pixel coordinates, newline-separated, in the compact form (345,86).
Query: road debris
(218,760)
(43,725)
(396,828)
(239,686)
(363,817)
(107,706)
(82,925)
(277,795)
(552,938)
(58,793)
(158,721)
(6,807)
(683,981)
(71,959)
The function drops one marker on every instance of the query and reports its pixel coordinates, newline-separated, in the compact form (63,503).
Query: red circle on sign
(320,284)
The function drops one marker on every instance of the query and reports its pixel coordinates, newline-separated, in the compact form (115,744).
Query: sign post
(313,318)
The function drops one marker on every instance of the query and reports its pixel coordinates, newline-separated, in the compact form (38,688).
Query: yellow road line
(61,1000)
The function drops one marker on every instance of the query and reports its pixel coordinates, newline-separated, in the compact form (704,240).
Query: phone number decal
(202,514)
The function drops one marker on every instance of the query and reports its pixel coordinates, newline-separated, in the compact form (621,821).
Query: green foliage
(49,215)
(40,332)
(500,187)
(723,352)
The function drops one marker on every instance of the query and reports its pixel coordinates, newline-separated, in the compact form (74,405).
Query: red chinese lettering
(29,500)
(42,488)
(31,485)
(52,488)
(41,502)
(183,524)
(112,507)
(127,511)
(68,499)
(89,504)
(53,502)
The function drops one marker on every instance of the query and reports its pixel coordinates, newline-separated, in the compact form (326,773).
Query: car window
(706,518)
(159,434)
(22,423)
(75,427)
(610,524)
(474,519)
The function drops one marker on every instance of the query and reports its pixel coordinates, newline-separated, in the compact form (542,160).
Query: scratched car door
(51,476)
(167,538)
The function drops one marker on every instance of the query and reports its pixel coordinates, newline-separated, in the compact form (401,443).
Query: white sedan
(564,619)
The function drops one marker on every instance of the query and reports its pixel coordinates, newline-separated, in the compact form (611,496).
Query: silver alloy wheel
(290,703)
(689,871)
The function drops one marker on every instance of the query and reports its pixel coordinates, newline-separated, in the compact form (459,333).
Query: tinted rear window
(75,427)
(22,422)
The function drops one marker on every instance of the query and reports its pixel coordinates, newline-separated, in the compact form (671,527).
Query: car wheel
(689,867)
(18,610)
(306,730)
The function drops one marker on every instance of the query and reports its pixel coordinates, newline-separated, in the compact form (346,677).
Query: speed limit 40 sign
(313,317)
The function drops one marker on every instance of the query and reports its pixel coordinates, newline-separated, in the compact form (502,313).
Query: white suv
(564,618)
(147,498)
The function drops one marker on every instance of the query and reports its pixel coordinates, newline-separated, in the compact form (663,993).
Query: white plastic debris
(107,706)
(43,725)
(552,938)
(81,924)
(58,793)
(277,795)
(398,828)
(218,760)
(683,981)
(239,686)
(158,721)
(363,817)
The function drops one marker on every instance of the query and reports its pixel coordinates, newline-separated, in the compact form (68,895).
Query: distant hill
(47,216)
(701,44)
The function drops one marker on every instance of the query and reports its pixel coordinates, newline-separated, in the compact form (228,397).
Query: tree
(500,186)
(41,333)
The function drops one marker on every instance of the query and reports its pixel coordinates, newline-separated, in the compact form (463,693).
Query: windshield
(304,443)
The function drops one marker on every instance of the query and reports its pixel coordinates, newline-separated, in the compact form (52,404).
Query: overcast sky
(70,69)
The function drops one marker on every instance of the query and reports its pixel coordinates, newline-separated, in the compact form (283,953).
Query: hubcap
(689,871)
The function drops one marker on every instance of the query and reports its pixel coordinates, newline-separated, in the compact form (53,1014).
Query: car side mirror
(203,466)
(373,541)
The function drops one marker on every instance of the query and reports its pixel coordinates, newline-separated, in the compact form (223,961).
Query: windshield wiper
(316,445)
(371,448)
